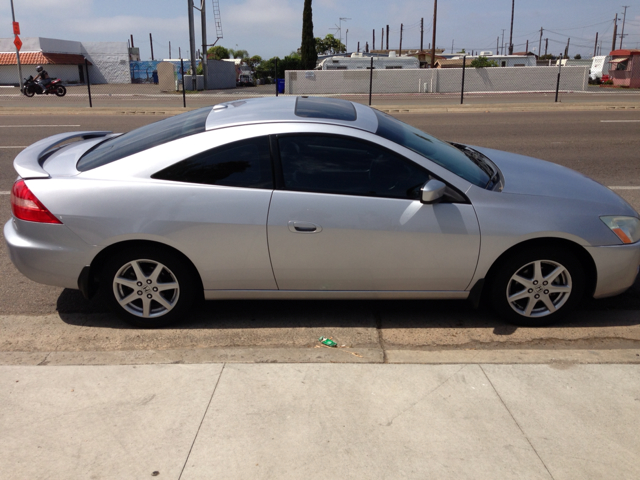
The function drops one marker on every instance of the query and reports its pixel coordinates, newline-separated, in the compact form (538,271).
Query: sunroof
(332,108)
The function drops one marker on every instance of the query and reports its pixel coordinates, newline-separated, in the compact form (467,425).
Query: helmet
(39,68)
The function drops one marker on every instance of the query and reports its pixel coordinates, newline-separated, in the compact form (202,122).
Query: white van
(599,67)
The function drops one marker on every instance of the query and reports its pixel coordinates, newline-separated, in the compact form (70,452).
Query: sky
(274,28)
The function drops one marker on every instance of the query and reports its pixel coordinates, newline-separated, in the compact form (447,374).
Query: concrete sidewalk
(308,421)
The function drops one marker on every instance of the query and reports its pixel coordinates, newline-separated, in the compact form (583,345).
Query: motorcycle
(55,87)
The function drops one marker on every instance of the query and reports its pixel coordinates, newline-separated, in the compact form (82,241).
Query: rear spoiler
(29,162)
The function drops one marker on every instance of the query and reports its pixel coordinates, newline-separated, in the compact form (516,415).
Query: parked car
(311,198)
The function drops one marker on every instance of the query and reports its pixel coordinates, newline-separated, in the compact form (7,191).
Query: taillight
(26,206)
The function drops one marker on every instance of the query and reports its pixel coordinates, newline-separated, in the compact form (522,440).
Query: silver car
(311,198)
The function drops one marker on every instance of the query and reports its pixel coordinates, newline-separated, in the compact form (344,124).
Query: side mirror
(432,192)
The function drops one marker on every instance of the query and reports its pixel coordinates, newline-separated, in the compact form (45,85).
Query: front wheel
(149,287)
(29,91)
(537,287)
(61,91)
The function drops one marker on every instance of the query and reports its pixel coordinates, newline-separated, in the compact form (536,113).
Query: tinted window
(435,150)
(333,108)
(144,138)
(246,163)
(341,165)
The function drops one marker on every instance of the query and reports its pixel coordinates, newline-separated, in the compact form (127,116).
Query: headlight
(626,228)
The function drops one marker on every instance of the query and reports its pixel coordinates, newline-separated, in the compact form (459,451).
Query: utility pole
(151,43)
(192,46)
(624,18)
(203,21)
(526,49)
(540,43)
(382,40)
(513,4)
(374,40)
(346,42)
(595,47)
(566,50)
(502,51)
(169,49)
(546,45)
(13,16)
(615,32)
(452,45)
(358,47)
(498,45)
(433,41)
(401,28)
(421,33)
(387,37)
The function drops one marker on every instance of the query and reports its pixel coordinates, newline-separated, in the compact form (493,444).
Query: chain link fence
(108,83)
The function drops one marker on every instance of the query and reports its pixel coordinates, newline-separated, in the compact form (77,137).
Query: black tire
(29,92)
(149,287)
(520,294)
(61,91)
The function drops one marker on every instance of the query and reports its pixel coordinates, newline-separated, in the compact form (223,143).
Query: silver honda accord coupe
(311,198)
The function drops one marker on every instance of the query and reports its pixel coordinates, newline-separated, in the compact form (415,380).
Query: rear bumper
(47,253)
(617,268)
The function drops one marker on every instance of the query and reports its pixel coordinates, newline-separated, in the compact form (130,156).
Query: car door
(218,211)
(349,219)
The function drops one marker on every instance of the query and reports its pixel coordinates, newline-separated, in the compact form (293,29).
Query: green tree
(483,62)
(218,52)
(308,53)
(238,53)
(578,56)
(266,69)
(253,62)
(329,45)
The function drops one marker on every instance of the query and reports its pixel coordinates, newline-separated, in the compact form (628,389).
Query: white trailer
(360,62)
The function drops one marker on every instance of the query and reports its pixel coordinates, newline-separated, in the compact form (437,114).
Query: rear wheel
(61,90)
(149,287)
(537,287)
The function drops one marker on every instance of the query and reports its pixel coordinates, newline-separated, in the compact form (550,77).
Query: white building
(65,59)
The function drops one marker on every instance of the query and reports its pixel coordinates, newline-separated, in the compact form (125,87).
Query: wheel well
(581,254)
(93,278)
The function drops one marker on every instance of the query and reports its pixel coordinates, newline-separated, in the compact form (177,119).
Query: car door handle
(303,227)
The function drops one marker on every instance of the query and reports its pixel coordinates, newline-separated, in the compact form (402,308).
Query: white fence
(437,80)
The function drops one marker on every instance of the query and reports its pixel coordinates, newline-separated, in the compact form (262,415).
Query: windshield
(144,138)
(442,153)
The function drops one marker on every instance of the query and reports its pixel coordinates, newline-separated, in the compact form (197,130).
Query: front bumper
(617,268)
(47,253)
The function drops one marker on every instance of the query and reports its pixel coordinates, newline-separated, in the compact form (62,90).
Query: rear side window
(144,138)
(246,163)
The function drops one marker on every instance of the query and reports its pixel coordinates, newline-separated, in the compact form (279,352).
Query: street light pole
(13,16)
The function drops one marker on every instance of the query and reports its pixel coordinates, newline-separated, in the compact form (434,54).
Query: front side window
(246,164)
(343,165)
(442,153)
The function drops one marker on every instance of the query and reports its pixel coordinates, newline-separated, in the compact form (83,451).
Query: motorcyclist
(42,78)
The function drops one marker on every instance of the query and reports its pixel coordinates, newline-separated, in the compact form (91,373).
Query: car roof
(289,109)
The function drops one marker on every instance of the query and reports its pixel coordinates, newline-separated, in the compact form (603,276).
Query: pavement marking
(619,121)
(16,146)
(5,193)
(23,126)
(624,188)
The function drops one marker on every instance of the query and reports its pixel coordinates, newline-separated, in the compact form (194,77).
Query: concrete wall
(221,74)
(110,61)
(495,79)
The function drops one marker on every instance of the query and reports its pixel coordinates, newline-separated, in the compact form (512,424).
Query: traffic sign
(18,43)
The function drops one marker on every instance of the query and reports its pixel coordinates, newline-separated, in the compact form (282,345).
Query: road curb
(562,358)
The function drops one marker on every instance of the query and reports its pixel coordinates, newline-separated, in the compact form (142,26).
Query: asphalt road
(601,144)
